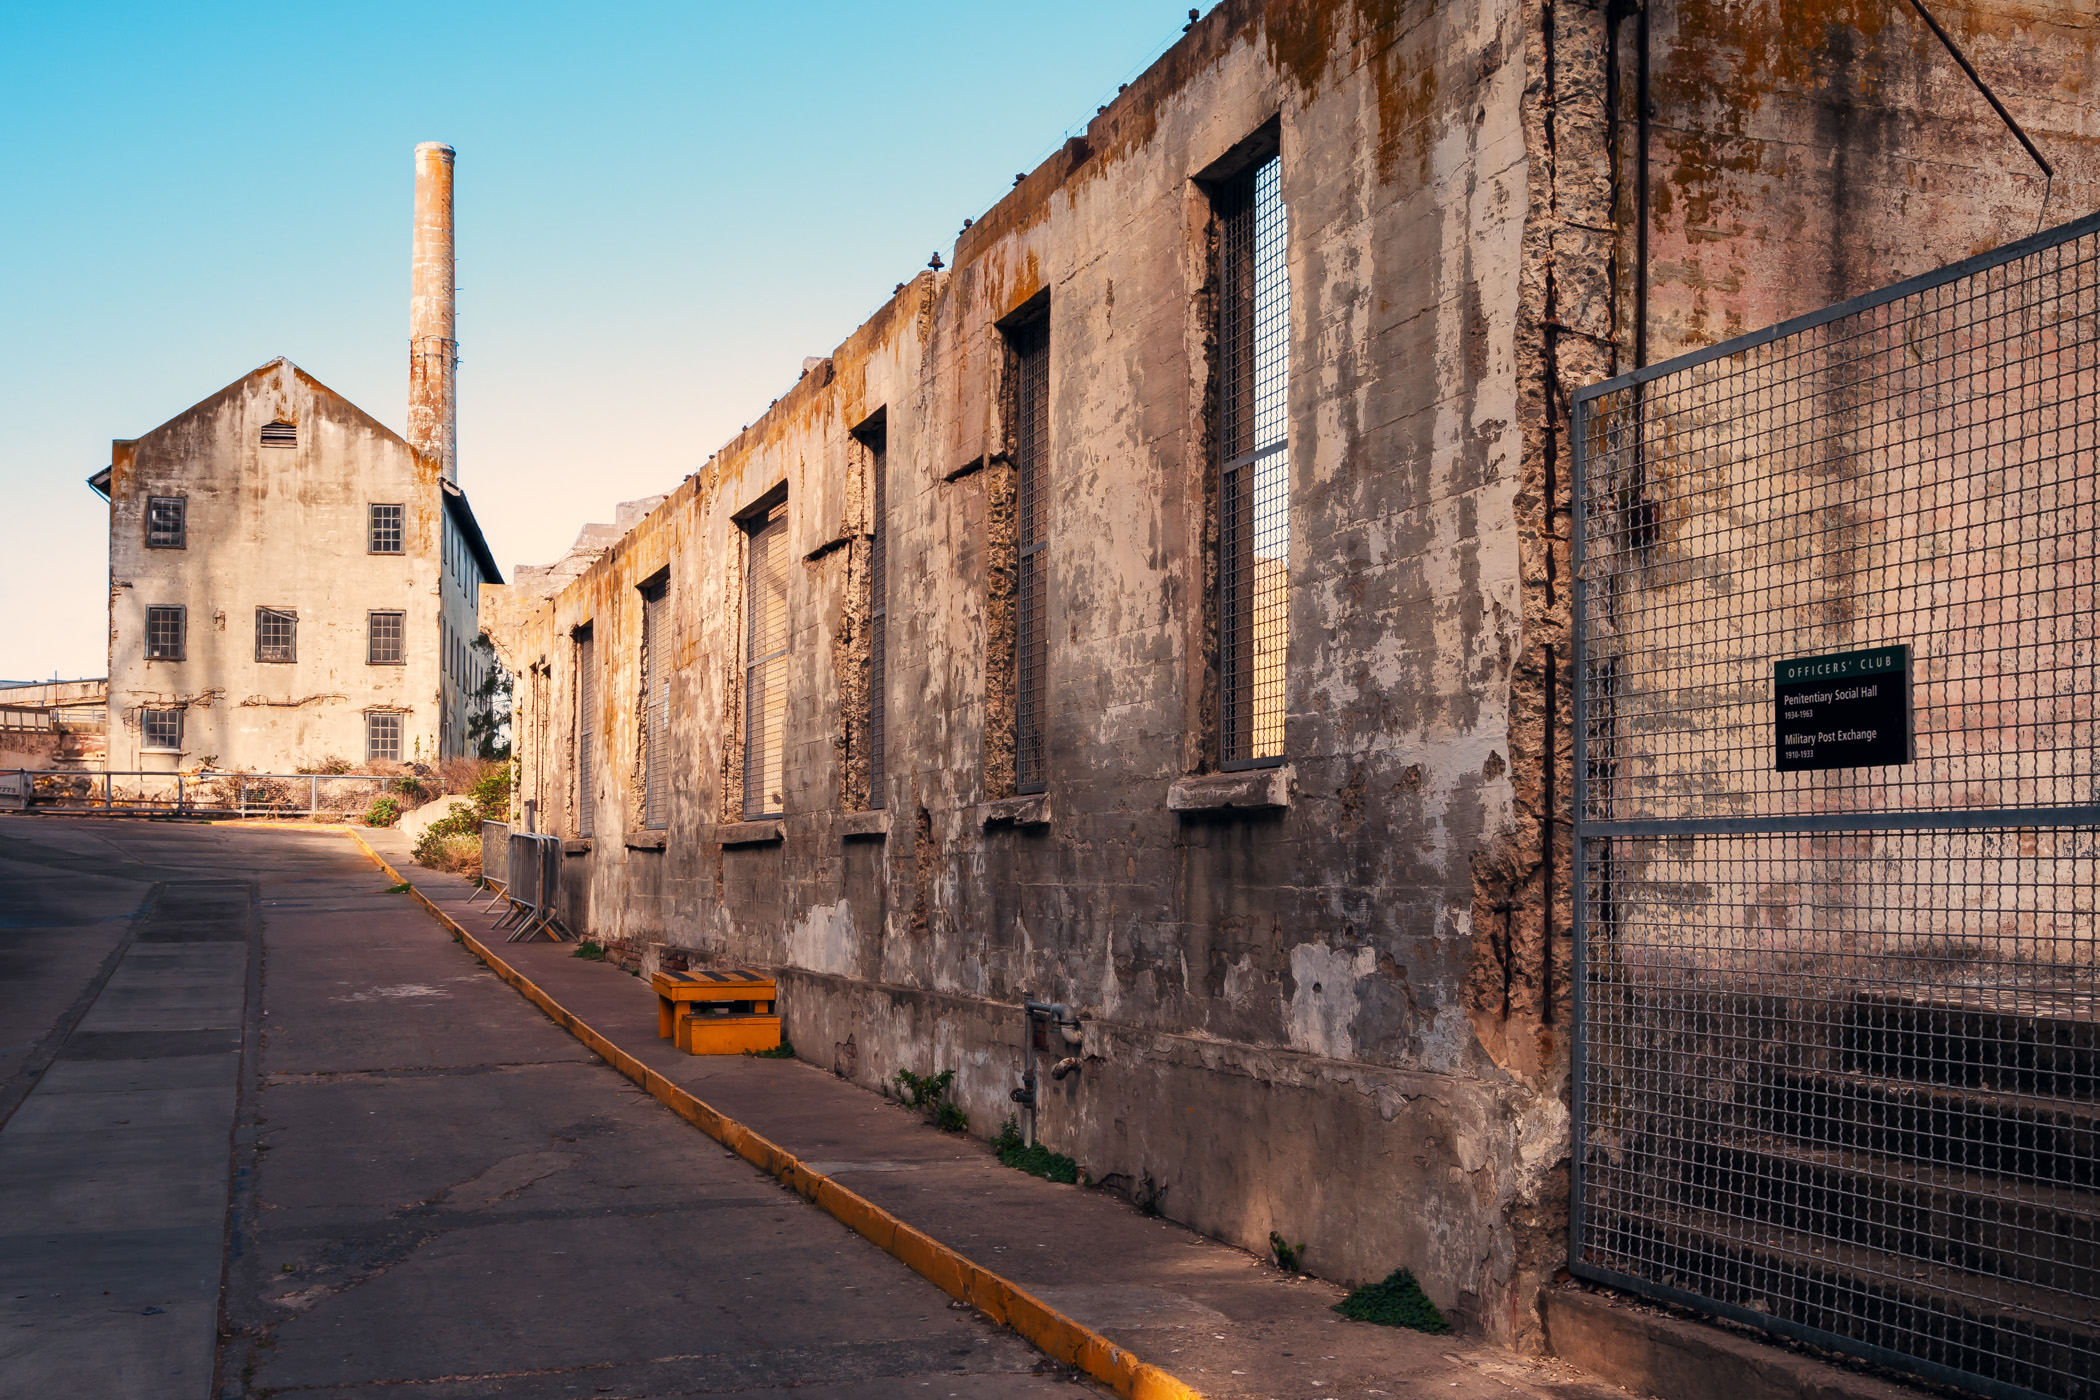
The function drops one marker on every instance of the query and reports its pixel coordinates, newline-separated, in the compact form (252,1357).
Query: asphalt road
(264,1130)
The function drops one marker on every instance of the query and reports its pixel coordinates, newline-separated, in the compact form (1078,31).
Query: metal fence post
(313,795)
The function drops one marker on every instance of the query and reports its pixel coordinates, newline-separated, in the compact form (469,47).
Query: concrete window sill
(645,840)
(1253,788)
(875,823)
(1031,810)
(750,833)
(576,846)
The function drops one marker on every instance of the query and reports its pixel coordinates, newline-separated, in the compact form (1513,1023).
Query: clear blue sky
(661,210)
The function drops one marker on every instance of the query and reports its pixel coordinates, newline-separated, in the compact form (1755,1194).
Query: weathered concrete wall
(272,527)
(37,748)
(1803,152)
(1343,1019)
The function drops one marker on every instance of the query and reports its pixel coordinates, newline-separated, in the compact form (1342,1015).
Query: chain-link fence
(1838,825)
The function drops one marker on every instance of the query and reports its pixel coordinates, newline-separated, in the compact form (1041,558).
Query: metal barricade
(1837,825)
(534,867)
(495,860)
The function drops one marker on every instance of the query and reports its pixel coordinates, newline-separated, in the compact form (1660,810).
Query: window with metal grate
(276,634)
(382,736)
(166,630)
(386,636)
(586,728)
(765,662)
(161,730)
(1254,526)
(878,611)
(1031,369)
(280,434)
(656,705)
(167,522)
(384,529)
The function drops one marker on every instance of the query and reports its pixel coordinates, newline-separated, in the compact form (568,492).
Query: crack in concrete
(288,1078)
(728,1373)
(472,1220)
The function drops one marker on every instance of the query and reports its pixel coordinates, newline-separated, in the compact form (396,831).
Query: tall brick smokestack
(433,352)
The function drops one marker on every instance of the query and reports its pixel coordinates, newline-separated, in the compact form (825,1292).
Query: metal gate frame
(1588,832)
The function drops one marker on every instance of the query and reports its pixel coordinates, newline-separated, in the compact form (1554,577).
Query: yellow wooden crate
(701,1032)
(747,992)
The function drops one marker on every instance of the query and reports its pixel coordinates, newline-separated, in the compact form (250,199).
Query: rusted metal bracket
(1954,49)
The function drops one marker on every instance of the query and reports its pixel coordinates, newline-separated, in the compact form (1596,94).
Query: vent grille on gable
(280,435)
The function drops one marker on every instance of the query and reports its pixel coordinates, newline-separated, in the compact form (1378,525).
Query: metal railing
(66,719)
(532,885)
(1837,825)
(150,793)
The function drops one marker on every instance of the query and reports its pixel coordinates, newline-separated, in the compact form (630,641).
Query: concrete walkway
(1224,1322)
(127,1002)
(272,1121)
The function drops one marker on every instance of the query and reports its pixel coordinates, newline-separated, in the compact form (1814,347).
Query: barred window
(382,736)
(280,434)
(656,705)
(1031,370)
(586,728)
(276,634)
(1254,527)
(165,629)
(765,662)
(162,729)
(878,608)
(385,529)
(167,522)
(386,638)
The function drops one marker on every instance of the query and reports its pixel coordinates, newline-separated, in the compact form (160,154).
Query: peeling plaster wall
(1806,151)
(1344,1020)
(272,527)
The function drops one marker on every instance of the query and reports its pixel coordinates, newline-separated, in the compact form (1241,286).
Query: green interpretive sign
(1847,710)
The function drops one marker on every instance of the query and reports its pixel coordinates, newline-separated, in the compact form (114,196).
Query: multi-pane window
(656,705)
(385,529)
(162,729)
(164,633)
(878,609)
(1031,399)
(382,736)
(386,638)
(1254,470)
(586,728)
(276,634)
(765,662)
(167,522)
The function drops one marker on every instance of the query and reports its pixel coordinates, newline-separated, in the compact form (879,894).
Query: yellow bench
(716,1011)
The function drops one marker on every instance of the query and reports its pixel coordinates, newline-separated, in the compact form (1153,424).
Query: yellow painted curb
(1000,1299)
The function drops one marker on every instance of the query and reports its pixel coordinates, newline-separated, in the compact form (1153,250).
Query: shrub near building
(454,842)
